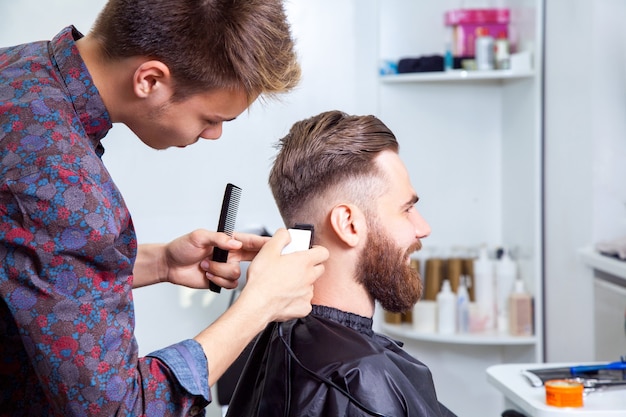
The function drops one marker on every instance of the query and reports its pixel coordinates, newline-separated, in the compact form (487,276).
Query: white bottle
(484,49)
(484,291)
(462,306)
(506,274)
(446,309)
(502,54)
(520,311)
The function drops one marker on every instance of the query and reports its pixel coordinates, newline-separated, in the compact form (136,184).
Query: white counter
(606,264)
(531,400)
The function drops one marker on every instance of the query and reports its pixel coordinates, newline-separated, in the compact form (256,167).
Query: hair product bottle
(484,49)
(446,309)
(462,306)
(520,311)
(484,292)
(502,55)
(506,274)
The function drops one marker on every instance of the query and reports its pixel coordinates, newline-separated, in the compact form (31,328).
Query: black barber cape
(341,347)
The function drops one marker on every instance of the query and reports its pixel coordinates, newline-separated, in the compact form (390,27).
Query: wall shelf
(486,338)
(456,76)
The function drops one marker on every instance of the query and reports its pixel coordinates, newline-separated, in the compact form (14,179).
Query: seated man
(343,175)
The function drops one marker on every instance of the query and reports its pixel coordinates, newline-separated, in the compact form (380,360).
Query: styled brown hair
(330,152)
(206,44)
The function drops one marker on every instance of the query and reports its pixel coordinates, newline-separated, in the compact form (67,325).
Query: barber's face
(184,122)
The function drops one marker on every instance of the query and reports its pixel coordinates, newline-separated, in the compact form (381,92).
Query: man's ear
(348,223)
(152,79)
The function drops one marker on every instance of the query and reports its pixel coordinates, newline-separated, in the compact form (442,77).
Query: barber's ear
(152,80)
(348,223)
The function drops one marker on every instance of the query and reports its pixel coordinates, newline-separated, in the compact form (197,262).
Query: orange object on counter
(564,393)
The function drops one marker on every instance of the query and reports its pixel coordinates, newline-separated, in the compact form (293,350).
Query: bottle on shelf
(462,306)
(484,292)
(433,272)
(448,57)
(484,50)
(446,309)
(502,53)
(506,274)
(520,311)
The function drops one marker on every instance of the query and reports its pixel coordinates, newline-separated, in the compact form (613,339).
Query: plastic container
(484,292)
(446,309)
(506,274)
(425,316)
(462,306)
(485,50)
(564,393)
(502,52)
(520,311)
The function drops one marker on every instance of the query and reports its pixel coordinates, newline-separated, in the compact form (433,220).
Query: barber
(173,72)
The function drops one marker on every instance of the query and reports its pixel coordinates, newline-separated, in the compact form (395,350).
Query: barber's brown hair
(206,44)
(325,152)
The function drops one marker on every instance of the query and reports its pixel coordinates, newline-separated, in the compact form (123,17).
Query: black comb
(228,216)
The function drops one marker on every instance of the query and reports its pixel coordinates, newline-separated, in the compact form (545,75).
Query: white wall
(585,151)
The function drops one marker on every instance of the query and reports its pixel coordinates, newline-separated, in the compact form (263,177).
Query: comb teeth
(229,209)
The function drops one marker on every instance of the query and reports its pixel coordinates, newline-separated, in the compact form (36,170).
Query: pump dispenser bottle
(506,273)
(446,309)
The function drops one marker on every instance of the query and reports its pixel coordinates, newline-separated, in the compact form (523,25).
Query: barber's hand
(189,263)
(280,287)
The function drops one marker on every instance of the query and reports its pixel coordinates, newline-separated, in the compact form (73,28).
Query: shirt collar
(84,95)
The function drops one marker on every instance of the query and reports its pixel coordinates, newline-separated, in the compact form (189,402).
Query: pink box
(465,22)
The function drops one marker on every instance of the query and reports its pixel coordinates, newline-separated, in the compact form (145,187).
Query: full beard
(386,275)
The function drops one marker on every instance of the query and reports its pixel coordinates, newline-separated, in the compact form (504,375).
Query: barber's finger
(206,240)
(227,283)
(251,242)
(276,244)
(230,269)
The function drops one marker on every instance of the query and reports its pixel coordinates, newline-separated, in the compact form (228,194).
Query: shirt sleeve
(188,363)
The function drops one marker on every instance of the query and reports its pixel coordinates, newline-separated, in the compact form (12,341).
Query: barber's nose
(212,133)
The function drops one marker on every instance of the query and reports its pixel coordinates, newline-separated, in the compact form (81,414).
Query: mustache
(414,247)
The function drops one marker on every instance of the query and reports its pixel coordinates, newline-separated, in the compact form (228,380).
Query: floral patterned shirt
(67,251)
